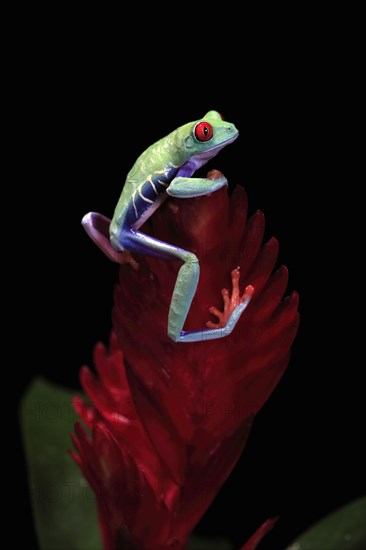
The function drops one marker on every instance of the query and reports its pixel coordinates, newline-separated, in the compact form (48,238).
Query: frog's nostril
(229,128)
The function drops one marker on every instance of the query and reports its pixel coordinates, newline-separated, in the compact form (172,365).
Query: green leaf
(203,543)
(64,506)
(345,529)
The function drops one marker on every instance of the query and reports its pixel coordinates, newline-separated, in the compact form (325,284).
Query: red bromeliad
(169,420)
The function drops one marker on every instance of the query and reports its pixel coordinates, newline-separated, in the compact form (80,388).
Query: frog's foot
(230,302)
(97,227)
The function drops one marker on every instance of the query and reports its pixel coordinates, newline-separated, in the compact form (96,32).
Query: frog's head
(208,136)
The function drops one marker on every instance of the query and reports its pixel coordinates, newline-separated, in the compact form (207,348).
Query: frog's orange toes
(230,302)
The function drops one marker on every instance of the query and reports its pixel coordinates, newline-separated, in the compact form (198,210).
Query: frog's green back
(155,168)
(156,160)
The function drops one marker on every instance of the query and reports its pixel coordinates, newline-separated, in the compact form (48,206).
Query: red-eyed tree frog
(166,169)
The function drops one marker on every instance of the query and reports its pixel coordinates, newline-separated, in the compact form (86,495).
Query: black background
(83,120)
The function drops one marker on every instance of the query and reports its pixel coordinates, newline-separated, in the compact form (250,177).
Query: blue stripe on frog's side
(146,194)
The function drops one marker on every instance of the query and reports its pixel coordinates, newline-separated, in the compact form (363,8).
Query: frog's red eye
(203,131)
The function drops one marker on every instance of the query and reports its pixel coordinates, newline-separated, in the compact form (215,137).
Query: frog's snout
(232,131)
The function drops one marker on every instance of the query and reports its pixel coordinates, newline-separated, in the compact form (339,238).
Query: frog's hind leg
(97,227)
(187,279)
(185,287)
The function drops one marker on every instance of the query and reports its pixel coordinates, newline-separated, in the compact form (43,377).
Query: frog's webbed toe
(232,303)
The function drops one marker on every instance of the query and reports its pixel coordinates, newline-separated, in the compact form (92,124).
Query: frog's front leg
(185,286)
(183,187)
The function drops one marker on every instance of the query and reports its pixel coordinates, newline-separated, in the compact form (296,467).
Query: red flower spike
(169,420)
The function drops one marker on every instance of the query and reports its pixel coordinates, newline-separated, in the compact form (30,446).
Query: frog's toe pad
(231,302)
